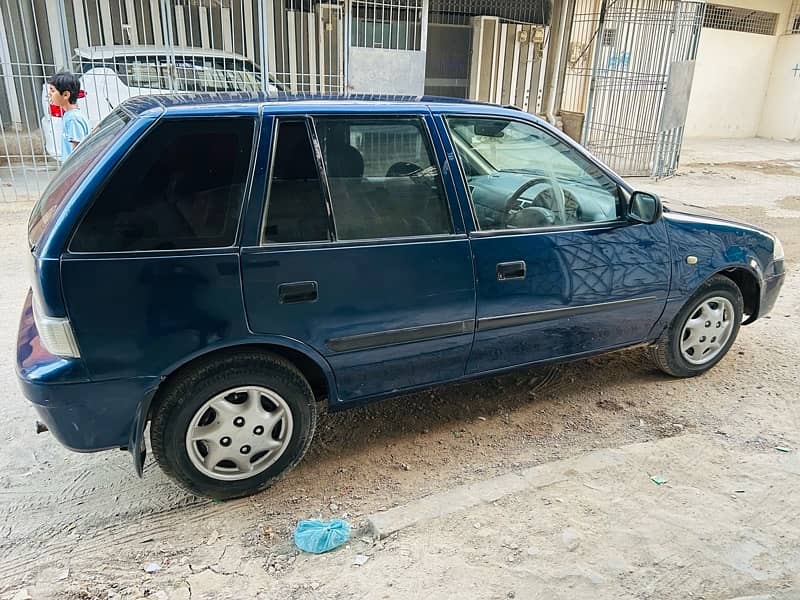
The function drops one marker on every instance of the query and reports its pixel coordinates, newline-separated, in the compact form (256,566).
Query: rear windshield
(72,172)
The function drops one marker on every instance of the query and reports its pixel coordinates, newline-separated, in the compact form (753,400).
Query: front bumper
(770,291)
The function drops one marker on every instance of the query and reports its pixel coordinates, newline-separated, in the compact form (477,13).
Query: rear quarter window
(73,172)
(180,187)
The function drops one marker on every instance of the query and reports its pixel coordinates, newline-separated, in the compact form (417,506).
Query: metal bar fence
(125,48)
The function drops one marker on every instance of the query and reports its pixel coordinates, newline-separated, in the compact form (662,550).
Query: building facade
(747,79)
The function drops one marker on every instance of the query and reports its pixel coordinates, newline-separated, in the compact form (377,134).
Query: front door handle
(298,291)
(511,270)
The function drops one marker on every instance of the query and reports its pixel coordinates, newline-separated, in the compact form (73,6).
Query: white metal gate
(628,78)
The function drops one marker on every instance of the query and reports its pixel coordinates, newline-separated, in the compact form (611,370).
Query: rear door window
(296,210)
(181,187)
(383,179)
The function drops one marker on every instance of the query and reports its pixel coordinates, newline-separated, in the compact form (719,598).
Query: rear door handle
(511,270)
(297,291)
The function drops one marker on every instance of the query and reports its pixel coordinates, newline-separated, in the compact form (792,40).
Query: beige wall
(781,115)
(730,83)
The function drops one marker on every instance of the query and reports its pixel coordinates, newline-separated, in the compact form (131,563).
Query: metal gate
(124,48)
(629,76)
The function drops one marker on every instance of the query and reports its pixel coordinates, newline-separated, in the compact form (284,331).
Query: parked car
(218,265)
(112,74)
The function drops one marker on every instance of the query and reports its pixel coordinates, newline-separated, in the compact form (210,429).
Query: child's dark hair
(66,82)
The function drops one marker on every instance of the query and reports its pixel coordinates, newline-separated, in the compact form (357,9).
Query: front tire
(230,427)
(703,331)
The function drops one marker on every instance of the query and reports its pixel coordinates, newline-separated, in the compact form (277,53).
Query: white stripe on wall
(133,33)
(155,15)
(268,29)
(501,75)
(292,47)
(105,19)
(528,73)
(312,52)
(80,23)
(249,36)
(204,39)
(227,29)
(8,75)
(180,25)
(515,65)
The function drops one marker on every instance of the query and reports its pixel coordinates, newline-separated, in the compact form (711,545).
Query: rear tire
(703,331)
(231,426)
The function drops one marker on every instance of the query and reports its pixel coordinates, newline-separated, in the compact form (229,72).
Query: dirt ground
(83,526)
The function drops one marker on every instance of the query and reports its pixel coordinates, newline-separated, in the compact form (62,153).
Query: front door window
(521,177)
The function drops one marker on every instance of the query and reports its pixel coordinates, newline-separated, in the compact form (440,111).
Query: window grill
(459,12)
(793,25)
(387,24)
(729,18)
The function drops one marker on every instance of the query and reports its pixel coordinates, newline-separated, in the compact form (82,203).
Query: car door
(361,253)
(560,271)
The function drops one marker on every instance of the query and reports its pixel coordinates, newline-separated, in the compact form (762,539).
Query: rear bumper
(91,416)
(83,415)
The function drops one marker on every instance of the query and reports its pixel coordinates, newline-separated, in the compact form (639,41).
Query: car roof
(209,101)
(107,52)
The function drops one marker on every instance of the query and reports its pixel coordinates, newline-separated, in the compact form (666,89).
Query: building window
(746,20)
(793,25)
(389,24)
(609,37)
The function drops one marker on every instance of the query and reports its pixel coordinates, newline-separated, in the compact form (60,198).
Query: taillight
(55,333)
(56,111)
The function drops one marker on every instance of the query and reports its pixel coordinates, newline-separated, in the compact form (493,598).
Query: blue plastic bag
(317,536)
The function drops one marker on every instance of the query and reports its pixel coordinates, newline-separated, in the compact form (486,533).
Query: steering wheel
(566,203)
(513,198)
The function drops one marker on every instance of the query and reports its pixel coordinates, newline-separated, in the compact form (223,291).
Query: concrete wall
(781,115)
(744,84)
(730,83)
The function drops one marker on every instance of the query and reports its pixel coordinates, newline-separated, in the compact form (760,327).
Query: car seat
(355,215)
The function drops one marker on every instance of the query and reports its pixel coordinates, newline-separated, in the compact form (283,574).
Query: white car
(112,74)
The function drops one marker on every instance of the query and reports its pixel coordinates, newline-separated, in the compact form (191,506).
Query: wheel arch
(745,277)
(311,364)
(749,285)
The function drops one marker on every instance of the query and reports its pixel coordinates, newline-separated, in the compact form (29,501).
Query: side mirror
(644,207)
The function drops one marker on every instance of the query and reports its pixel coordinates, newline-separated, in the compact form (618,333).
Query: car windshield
(74,170)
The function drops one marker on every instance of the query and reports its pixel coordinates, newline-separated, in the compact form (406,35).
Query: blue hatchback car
(216,265)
